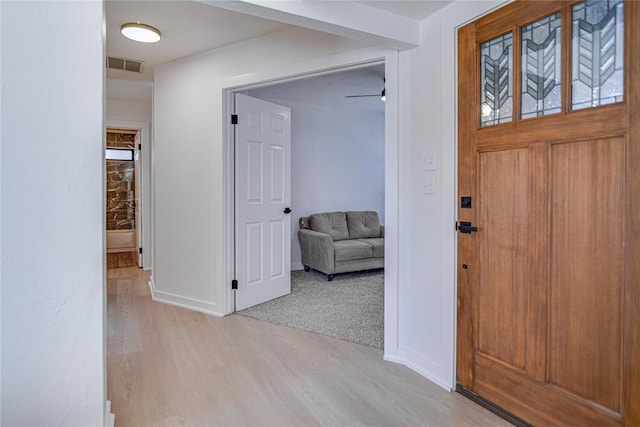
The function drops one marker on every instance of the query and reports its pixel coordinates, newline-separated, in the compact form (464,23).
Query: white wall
(52,214)
(126,110)
(189,149)
(337,160)
(427,256)
(129,100)
(188,160)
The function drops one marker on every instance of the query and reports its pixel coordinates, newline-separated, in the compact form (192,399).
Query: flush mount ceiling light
(140,32)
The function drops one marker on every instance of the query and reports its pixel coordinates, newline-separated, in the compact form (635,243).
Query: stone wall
(120,203)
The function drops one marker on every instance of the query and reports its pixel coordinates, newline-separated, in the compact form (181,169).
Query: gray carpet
(351,307)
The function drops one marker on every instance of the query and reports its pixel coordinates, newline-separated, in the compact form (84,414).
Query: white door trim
(319,66)
(145,173)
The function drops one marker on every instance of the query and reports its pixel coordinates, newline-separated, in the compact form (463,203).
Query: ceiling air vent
(125,64)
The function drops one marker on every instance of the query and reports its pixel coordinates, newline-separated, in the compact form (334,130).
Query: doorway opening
(337,164)
(122,194)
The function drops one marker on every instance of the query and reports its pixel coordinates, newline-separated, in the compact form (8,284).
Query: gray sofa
(341,242)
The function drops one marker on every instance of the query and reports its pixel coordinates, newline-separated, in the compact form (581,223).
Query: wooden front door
(549,153)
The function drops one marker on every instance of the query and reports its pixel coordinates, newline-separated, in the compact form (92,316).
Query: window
(496,74)
(119,154)
(598,53)
(593,66)
(541,67)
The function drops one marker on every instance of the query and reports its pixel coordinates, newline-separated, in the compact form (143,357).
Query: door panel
(277,174)
(547,307)
(537,403)
(254,171)
(253,253)
(277,239)
(502,246)
(263,229)
(587,269)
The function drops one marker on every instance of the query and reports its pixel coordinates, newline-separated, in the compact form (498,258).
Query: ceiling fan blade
(360,96)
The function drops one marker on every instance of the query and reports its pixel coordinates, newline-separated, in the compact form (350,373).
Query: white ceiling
(416,9)
(189,28)
(331,89)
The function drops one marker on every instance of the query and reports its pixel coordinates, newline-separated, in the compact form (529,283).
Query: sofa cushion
(347,250)
(332,223)
(362,225)
(377,244)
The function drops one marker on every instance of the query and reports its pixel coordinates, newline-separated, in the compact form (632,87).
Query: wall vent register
(125,64)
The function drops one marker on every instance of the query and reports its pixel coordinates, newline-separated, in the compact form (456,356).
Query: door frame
(144,200)
(323,66)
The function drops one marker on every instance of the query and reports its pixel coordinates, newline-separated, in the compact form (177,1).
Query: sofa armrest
(382,231)
(317,250)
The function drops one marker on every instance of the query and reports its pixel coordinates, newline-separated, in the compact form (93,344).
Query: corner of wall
(423,366)
(184,302)
(427,271)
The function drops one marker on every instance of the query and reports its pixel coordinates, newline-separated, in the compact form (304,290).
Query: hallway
(168,366)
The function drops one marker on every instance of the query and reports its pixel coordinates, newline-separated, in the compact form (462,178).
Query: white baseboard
(183,302)
(418,364)
(109,418)
(295,266)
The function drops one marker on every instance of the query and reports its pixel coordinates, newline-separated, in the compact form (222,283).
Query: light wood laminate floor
(168,366)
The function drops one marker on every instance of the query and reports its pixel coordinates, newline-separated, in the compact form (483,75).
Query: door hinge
(139,250)
(139,147)
(234,284)
(234,119)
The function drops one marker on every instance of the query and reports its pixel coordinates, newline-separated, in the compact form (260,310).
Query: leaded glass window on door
(542,67)
(496,74)
(598,54)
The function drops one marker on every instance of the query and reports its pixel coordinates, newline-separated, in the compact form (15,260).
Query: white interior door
(263,197)
(137,178)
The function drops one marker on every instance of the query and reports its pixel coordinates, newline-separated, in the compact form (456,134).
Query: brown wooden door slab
(549,151)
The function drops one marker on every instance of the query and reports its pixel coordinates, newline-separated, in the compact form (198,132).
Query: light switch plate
(429,184)
(429,161)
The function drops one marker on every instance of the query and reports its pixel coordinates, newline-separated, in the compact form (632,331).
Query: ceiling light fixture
(140,32)
(383,98)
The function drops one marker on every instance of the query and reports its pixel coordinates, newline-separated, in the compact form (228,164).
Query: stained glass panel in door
(541,67)
(496,80)
(598,54)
